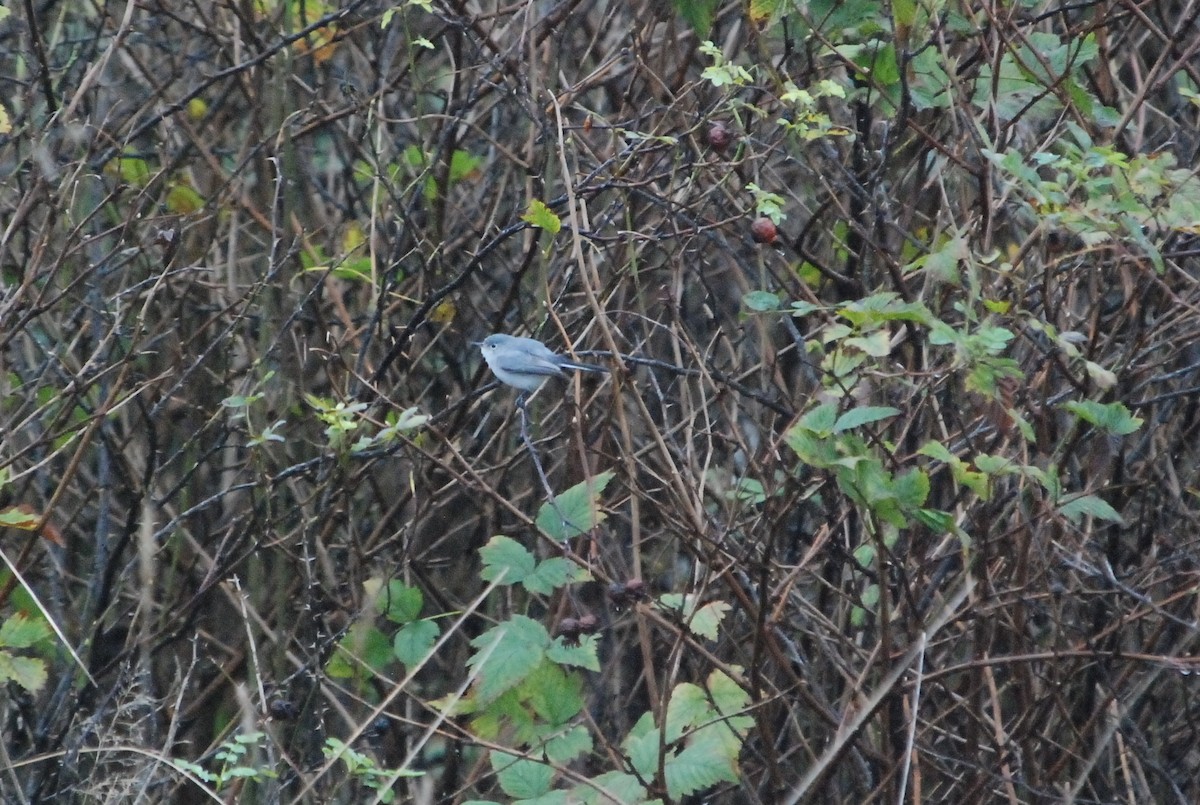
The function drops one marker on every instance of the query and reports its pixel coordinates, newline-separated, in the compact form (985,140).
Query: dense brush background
(219,220)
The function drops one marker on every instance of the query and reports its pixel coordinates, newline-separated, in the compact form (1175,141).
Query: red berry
(763,230)
(719,137)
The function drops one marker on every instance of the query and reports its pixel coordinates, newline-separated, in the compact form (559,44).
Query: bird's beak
(477,343)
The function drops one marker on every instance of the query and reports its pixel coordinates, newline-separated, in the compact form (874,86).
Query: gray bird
(525,363)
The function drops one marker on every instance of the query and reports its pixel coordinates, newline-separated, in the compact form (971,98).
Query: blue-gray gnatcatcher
(525,363)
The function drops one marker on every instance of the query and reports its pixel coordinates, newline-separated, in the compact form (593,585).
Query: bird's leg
(537,463)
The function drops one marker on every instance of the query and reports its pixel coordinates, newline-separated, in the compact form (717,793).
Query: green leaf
(820,420)
(132,170)
(28,672)
(399,602)
(362,645)
(939,522)
(695,769)
(747,490)
(555,695)
(641,746)
(586,655)
(697,13)
(761,301)
(508,653)
(576,511)
(14,517)
(540,215)
(877,344)
(863,416)
(938,451)
(713,741)
(729,698)
(911,488)
(464,165)
(884,307)
(182,199)
(20,631)
(688,707)
(506,560)
(707,618)
(904,12)
(992,465)
(519,777)
(993,339)
(568,746)
(1113,418)
(1092,506)
(412,643)
(550,574)
(614,786)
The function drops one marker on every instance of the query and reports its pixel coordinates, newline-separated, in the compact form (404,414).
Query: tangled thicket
(900,306)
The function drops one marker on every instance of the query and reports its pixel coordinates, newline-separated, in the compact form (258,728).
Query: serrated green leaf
(904,12)
(688,707)
(938,451)
(878,344)
(519,777)
(1089,505)
(864,415)
(799,309)
(641,746)
(400,603)
(542,217)
(412,643)
(508,653)
(697,13)
(554,693)
(761,301)
(505,560)
(550,574)
(707,619)
(549,798)
(1113,418)
(21,631)
(614,786)
(911,488)
(362,645)
(568,746)
(28,672)
(821,419)
(585,655)
(576,511)
(695,769)
(939,522)
(992,465)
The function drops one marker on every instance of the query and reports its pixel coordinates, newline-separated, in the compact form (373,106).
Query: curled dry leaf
(26,518)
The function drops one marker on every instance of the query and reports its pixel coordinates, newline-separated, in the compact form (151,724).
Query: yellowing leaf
(539,215)
(182,199)
(353,238)
(444,312)
(129,169)
(763,11)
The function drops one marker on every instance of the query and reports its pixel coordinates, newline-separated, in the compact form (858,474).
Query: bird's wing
(582,367)
(530,363)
